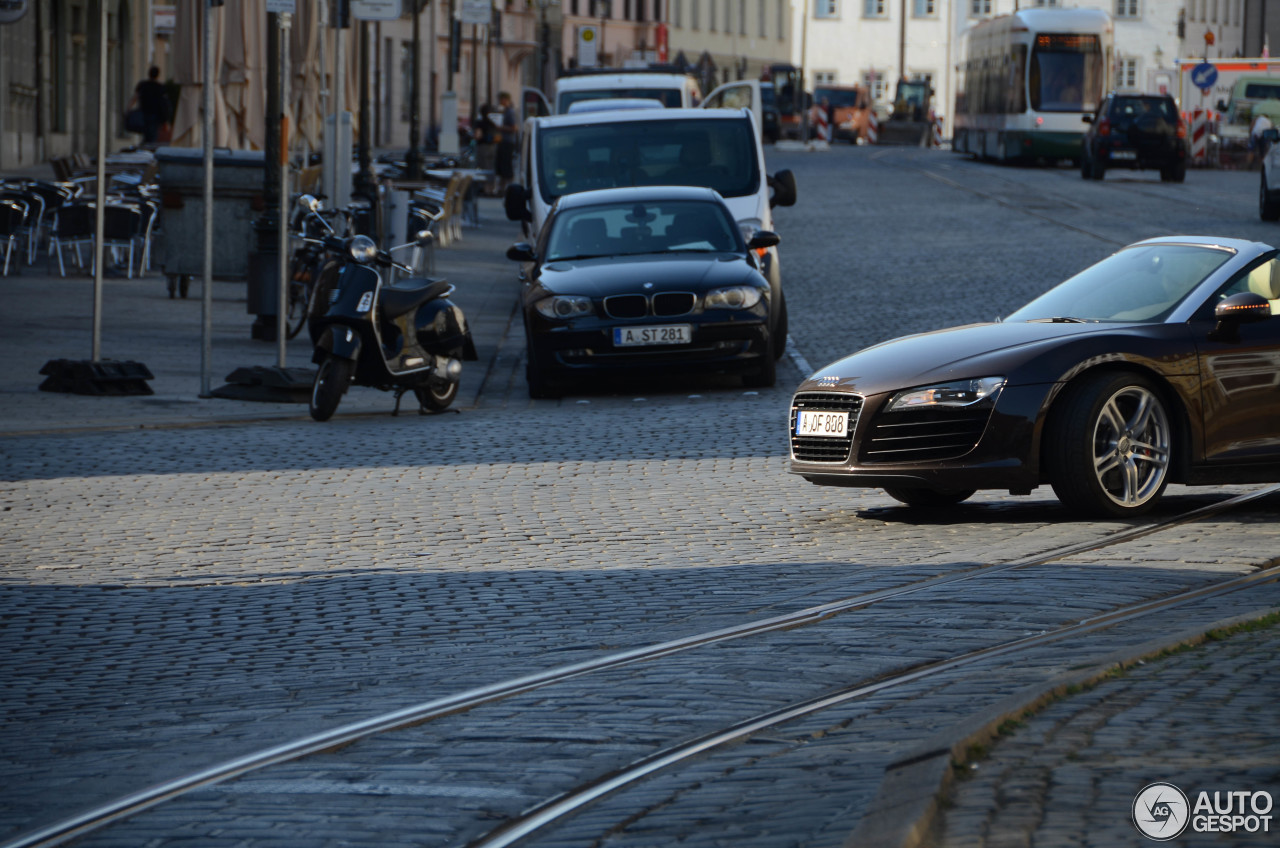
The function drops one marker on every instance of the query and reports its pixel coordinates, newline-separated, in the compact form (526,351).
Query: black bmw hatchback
(1135,131)
(646,281)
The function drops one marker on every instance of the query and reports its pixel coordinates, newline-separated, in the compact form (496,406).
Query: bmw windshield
(714,152)
(1139,284)
(627,229)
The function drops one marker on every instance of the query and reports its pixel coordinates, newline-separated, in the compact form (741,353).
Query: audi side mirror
(1243,308)
(762,239)
(1231,312)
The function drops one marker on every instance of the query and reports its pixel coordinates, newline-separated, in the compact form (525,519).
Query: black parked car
(1159,364)
(1136,131)
(646,280)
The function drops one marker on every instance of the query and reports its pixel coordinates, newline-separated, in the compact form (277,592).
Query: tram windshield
(1066,74)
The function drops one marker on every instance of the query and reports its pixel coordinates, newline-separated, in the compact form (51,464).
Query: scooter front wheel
(331,384)
(437,395)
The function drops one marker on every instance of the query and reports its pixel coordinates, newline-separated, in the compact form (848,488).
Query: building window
(979,8)
(871,9)
(925,9)
(763,17)
(824,78)
(782,20)
(677,13)
(742,17)
(1126,8)
(1127,73)
(1047,3)
(711,15)
(874,83)
(728,17)
(1214,19)
(826,8)
(693,14)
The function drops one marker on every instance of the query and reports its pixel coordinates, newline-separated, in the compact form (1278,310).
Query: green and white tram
(1026,78)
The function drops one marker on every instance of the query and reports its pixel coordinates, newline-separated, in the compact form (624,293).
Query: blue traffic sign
(1203,76)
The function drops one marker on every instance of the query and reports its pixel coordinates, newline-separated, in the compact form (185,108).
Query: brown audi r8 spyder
(1159,364)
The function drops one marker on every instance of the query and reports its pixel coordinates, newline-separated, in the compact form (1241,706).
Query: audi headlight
(957,394)
(564,306)
(362,249)
(734,297)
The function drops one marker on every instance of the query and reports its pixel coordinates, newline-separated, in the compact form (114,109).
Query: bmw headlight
(733,297)
(958,394)
(362,249)
(564,306)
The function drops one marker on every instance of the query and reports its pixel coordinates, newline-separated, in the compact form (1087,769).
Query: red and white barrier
(873,127)
(821,126)
(1199,136)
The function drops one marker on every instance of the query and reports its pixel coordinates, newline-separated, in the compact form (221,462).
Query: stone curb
(906,807)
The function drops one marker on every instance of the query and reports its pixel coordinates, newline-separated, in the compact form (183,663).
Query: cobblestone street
(182,594)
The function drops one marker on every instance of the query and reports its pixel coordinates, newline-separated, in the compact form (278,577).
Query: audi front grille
(824,449)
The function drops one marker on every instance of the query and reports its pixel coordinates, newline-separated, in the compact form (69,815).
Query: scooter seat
(406,295)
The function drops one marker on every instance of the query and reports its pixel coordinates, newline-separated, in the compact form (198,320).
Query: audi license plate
(834,424)
(1124,154)
(662,335)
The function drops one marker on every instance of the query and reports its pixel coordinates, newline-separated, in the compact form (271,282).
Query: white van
(716,148)
(674,90)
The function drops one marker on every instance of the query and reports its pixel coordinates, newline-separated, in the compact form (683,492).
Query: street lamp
(544,41)
(605,8)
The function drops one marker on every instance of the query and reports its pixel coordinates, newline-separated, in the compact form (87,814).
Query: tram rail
(99,817)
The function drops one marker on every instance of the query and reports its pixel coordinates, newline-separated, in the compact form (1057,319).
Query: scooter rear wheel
(437,395)
(331,384)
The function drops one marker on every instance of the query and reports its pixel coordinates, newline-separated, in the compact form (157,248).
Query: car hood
(604,276)
(974,350)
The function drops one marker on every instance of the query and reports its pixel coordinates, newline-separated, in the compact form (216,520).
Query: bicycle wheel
(299,300)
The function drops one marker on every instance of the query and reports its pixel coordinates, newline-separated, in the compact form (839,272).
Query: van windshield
(670,97)
(715,153)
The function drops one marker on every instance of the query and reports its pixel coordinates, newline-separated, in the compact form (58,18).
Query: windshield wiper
(1058,320)
(580,256)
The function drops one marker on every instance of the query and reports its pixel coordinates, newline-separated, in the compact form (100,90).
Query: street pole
(475,70)
(363,187)
(433,82)
(206,138)
(285,22)
(902,42)
(413,158)
(100,208)
(263,261)
(804,47)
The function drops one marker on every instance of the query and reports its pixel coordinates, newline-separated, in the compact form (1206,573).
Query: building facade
(875,42)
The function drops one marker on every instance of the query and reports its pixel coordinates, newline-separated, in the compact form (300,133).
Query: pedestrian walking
(508,138)
(485,136)
(149,108)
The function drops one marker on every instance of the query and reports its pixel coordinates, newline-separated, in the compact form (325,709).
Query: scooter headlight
(362,249)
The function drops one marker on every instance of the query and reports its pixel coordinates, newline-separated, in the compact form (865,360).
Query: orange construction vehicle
(849,109)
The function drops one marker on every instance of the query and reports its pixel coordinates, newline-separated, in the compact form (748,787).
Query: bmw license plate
(833,424)
(661,335)
(1124,154)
